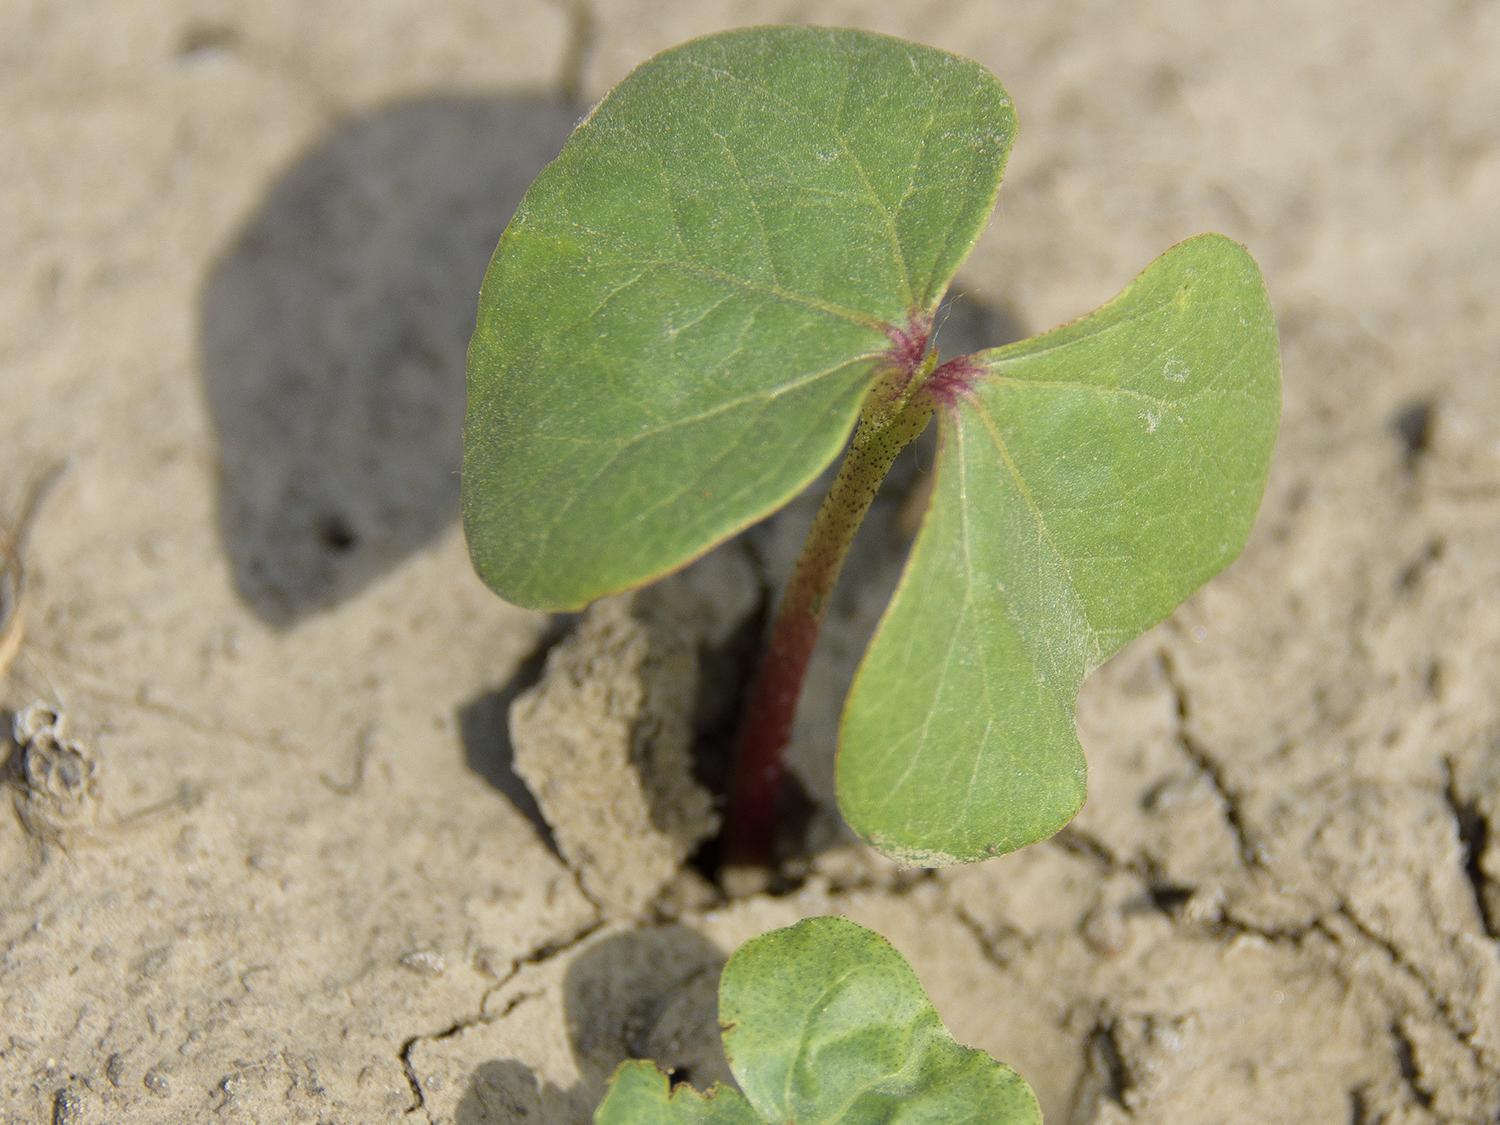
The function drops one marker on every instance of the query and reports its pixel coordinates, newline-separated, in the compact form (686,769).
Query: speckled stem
(894,414)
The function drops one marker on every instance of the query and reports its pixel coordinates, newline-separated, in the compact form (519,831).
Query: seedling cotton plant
(735,261)
(825,1022)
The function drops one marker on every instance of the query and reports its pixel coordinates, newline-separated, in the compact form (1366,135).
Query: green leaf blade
(825,1022)
(640,1094)
(679,324)
(1090,480)
(1178,382)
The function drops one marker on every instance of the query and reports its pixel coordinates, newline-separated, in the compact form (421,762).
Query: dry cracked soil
(300,824)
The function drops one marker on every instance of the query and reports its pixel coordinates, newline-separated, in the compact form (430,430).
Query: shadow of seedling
(507,1091)
(646,994)
(332,337)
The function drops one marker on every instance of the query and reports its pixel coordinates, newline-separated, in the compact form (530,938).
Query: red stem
(893,416)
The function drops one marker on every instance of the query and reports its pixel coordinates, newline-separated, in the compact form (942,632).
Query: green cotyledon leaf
(682,318)
(825,1022)
(1089,479)
(640,1094)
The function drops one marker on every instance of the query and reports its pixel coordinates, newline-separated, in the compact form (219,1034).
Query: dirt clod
(55,777)
(603,742)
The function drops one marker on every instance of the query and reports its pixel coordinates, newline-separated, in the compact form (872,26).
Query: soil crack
(1474,838)
(1250,852)
(1076,842)
(1230,927)
(1406,1059)
(542,953)
(1105,1040)
(1439,1004)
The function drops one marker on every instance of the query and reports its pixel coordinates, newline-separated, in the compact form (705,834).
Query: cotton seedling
(824,1022)
(734,262)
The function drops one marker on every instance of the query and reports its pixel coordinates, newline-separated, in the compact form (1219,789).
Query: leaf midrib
(898,251)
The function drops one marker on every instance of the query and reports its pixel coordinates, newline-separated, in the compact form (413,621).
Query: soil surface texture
(299,823)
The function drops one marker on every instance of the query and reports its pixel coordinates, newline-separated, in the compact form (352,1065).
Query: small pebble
(1105,931)
(67,1107)
(155,1081)
(425,961)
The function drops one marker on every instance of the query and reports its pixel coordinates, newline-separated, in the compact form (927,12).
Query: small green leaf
(1089,480)
(825,1022)
(681,320)
(640,1094)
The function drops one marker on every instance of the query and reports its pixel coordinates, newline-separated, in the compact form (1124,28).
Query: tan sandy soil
(276,865)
